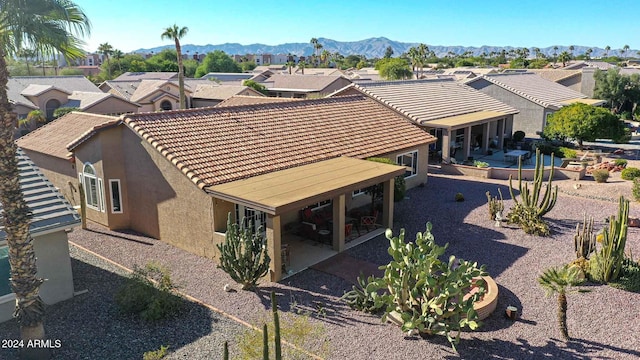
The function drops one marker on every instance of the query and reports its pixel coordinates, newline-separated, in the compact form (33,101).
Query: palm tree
(564,57)
(555,54)
(27,54)
(606,50)
(302,64)
(175,33)
(588,53)
(106,49)
(423,53)
(117,54)
(315,43)
(49,25)
(625,49)
(555,280)
(571,48)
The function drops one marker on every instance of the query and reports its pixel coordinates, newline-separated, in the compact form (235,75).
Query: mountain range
(372,48)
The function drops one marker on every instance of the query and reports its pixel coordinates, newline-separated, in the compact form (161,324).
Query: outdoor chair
(368,221)
(347,229)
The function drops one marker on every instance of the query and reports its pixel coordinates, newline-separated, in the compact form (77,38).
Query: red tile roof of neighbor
(52,138)
(218,145)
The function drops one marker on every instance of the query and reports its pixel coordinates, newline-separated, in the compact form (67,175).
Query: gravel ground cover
(89,326)
(603,323)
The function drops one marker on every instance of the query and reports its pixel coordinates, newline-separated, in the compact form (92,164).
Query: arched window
(92,187)
(165,105)
(51,106)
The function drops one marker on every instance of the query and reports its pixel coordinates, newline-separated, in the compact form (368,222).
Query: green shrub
(243,254)
(151,300)
(624,138)
(480,164)
(459,197)
(548,149)
(630,173)
(636,189)
(629,279)
(518,135)
(157,354)
(527,218)
(620,162)
(566,152)
(399,185)
(61,111)
(600,175)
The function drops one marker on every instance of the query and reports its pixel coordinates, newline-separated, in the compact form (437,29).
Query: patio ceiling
(455,122)
(292,189)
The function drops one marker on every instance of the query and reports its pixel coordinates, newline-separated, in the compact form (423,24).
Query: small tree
(60,112)
(243,255)
(394,69)
(558,281)
(583,122)
(256,86)
(375,191)
(36,116)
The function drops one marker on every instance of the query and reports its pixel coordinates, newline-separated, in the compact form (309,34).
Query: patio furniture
(513,156)
(347,229)
(368,221)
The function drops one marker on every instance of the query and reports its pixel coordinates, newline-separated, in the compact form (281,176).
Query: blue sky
(133,24)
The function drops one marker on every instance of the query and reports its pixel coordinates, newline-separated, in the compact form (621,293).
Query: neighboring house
(163,95)
(46,146)
(176,175)
(304,86)
(228,78)
(147,75)
(212,95)
(252,100)
(47,93)
(535,97)
(460,117)
(576,65)
(52,217)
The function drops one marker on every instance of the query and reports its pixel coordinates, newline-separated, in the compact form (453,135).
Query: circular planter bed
(489,301)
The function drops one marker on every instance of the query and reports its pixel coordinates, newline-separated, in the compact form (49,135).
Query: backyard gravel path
(603,323)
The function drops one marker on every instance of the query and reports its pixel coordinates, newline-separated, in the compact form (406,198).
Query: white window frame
(113,197)
(413,165)
(358,192)
(257,217)
(86,178)
(320,205)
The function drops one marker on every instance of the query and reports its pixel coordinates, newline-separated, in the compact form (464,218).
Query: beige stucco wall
(93,155)
(573,83)
(112,106)
(423,165)
(41,100)
(531,117)
(163,202)
(54,264)
(111,141)
(60,172)
(199,103)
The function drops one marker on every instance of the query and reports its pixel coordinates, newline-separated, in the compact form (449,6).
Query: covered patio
(475,131)
(288,191)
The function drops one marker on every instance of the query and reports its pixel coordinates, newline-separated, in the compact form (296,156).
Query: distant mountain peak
(372,48)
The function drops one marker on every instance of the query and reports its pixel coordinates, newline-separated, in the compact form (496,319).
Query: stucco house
(147,75)
(176,175)
(47,147)
(47,93)
(463,119)
(52,218)
(212,95)
(536,98)
(304,86)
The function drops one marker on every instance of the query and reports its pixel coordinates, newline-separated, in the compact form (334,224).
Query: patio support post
(387,203)
(446,145)
(338,222)
(466,147)
(501,126)
(274,243)
(486,138)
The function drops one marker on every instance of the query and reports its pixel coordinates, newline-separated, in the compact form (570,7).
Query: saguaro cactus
(530,198)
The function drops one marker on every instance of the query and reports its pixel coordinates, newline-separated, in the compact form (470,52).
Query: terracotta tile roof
(534,88)
(555,74)
(218,145)
(16,85)
(52,138)
(83,100)
(300,82)
(432,99)
(253,100)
